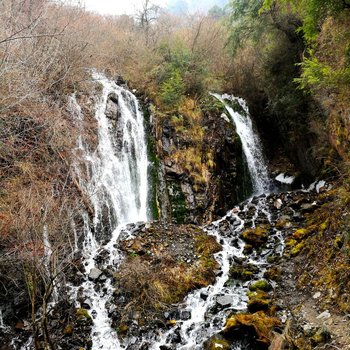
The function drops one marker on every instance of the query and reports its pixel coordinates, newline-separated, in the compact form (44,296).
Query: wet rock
(185,315)
(256,325)
(86,304)
(112,108)
(255,236)
(94,274)
(119,80)
(204,295)
(224,301)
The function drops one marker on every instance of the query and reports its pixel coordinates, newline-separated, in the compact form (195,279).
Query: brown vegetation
(162,266)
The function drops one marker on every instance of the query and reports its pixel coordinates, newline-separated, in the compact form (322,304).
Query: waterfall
(203,322)
(114,178)
(250,142)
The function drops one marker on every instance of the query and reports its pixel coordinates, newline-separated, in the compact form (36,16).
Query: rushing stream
(210,306)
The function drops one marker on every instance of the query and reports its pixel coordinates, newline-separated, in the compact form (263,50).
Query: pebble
(324,315)
(316,295)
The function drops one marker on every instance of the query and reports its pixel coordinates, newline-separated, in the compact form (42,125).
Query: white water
(250,142)
(203,323)
(114,177)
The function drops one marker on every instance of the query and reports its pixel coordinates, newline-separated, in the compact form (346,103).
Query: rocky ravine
(162,263)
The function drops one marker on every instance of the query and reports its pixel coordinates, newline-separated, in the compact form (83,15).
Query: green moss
(82,314)
(255,236)
(258,301)
(179,210)
(212,105)
(297,249)
(260,285)
(301,233)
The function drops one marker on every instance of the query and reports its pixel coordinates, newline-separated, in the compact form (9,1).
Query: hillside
(175,180)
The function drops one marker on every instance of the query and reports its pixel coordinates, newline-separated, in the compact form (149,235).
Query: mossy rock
(243,273)
(272,259)
(301,234)
(260,285)
(123,329)
(258,301)
(83,314)
(274,273)
(248,249)
(217,342)
(297,249)
(258,324)
(206,245)
(321,336)
(255,236)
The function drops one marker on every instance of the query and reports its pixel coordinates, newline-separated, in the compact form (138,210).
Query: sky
(119,7)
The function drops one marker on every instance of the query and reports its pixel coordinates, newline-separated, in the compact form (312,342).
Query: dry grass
(151,283)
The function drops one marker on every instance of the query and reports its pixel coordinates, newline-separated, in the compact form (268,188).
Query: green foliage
(316,74)
(245,23)
(172,89)
(311,12)
(182,73)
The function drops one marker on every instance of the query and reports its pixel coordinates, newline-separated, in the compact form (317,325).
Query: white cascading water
(114,177)
(250,142)
(204,321)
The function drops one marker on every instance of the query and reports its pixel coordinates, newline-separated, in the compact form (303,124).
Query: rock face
(202,162)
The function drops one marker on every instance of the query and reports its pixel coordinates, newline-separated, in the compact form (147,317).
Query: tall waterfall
(114,177)
(250,142)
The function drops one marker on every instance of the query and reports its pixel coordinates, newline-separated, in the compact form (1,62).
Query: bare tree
(146,16)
